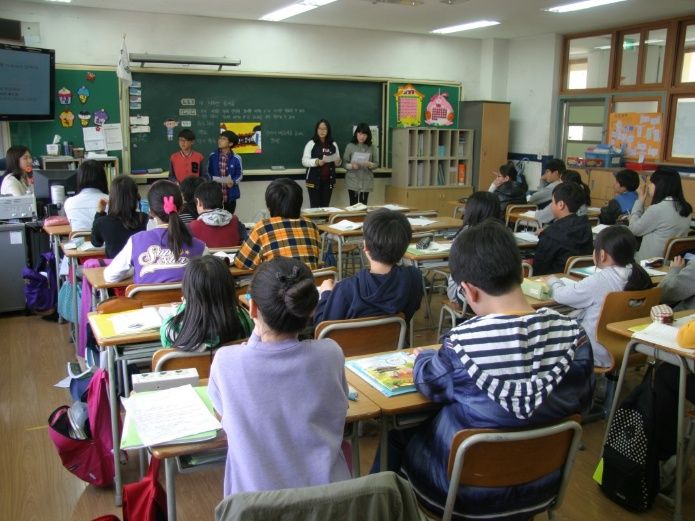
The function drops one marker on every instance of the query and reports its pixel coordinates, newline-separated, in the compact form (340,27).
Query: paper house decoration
(408,106)
(439,111)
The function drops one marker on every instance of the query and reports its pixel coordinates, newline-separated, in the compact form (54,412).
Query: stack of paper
(176,415)
(346,225)
(527,237)
(395,207)
(420,221)
(359,207)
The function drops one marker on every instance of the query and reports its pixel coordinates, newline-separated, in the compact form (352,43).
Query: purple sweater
(283,407)
(154,262)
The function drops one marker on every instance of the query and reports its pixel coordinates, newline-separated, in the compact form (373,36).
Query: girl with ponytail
(160,254)
(617,270)
(282,401)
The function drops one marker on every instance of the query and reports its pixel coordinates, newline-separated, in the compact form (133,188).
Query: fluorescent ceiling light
(294,9)
(603,48)
(578,6)
(465,27)
(61,1)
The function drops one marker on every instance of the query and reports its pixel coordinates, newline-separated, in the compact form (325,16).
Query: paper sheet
(599,228)
(394,207)
(358,207)
(129,322)
(169,414)
(113,136)
(420,221)
(359,158)
(346,225)
(94,139)
(527,237)
(332,158)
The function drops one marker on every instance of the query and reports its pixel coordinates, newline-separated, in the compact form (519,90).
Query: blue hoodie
(367,294)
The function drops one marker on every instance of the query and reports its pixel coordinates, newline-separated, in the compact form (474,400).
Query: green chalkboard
(103,95)
(287,108)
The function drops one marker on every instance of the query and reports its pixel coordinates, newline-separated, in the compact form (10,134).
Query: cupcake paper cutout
(84,117)
(83,94)
(65,96)
(100,117)
(67,118)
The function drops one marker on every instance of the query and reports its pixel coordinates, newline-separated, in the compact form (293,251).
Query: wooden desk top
(623,328)
(361,409)
(440,223)
(63,229)
(423,255)
(316,213)
(83,254)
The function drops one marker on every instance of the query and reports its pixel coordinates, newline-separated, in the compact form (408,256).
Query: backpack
(89,459)
(630,464)
(145,500)
(40,290)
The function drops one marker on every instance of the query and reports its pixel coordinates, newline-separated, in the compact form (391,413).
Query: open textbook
(391,373)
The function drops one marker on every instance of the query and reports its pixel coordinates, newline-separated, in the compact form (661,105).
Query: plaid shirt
(280,237)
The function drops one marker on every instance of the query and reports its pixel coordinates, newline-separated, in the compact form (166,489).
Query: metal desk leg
(115,435)
(678,499)
(75,327)
(384,445)
(170,483)
(355,442)
(340,242)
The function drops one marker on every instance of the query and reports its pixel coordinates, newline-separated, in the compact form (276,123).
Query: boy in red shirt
(215,226)
(186,162)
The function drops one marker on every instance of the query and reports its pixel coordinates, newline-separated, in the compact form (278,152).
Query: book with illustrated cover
(391,374)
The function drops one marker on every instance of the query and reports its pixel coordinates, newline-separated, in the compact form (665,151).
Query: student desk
(391,406)
(361,409)
(110,344)
(73,256)
(54,235)
(322,214)
(684,359)
(424,260)
(341,236)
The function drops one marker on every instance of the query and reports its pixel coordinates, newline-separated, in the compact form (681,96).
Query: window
(588,62)
(683,133)
(654,56)
(688,61)
(629,59)
(583,126)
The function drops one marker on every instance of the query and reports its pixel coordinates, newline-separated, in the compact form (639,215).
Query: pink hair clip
(168,203)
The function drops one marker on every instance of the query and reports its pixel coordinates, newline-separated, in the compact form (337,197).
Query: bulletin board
(421,105)
(640,133)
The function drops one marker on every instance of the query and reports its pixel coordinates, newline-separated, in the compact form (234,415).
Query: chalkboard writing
(286,108)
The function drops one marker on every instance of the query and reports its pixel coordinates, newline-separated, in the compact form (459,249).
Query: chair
(506,458)
(85,234)
(578,261)
(366,335)
(619,306)
(678,246)
(117,304)
(153,294)
(349,248)
(173,359)
(513,210)
(385,496)
(321,274)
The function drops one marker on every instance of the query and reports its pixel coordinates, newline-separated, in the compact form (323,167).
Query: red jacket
(217,230)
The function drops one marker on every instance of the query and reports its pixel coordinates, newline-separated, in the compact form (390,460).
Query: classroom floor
(34,485)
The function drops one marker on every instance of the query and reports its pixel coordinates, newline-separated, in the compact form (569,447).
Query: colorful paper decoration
(170,125)
(83,94)
(408,106)
(65,96)
(439,111)
(100,117)
(67,118)
(84,117)
(91,76)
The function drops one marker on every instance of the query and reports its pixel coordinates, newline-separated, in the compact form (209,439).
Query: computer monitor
(44,179)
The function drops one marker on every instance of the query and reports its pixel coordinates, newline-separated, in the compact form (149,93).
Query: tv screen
(26,83)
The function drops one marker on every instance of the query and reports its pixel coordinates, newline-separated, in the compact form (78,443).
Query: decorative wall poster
(249,134)
(84,117)
(65,96)
(170,125)
(91,76)
(100,117)
(439,111)
(83,94)
(67,118)
(408,106)
(639,133)
(418,104)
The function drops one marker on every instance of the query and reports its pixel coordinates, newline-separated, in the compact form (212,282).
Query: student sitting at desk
(545,215)
(282,401)
(569,235)
(678,286)
(215,226)
(160,254)
(91,188)
(668,216)
(382,289)
(506,187)
(625,186)
(614,254)
(551,177)
(285,234)
(16,179)
(209,315)
(113,229)
(485,377)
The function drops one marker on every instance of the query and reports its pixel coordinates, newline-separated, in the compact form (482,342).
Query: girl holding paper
(321,156)
(360,162)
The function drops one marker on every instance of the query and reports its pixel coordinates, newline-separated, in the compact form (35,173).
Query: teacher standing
(360,161)
(321,156)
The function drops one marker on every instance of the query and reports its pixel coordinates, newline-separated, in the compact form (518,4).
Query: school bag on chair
(40,290)
(90,459)
(145,500)
(629,466)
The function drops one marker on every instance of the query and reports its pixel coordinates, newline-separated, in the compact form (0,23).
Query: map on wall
(639,133)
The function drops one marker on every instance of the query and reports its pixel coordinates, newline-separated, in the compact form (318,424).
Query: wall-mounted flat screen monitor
(27,83)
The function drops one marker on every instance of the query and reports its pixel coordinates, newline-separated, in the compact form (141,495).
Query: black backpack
(630,463)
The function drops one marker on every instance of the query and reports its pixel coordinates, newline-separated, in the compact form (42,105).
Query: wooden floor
(34,486)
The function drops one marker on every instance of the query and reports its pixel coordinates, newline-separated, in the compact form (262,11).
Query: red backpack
(145,500)
(91,459)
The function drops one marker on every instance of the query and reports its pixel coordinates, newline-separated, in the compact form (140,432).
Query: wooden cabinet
(601,182)
(428,164)
(490,121)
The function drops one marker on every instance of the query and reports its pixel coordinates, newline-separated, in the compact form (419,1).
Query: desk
(684,360)
(54,235)
(361,409)
(340,236)
(424,260)
(322,214)
(391,406)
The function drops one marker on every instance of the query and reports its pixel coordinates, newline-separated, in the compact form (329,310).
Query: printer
(17,207)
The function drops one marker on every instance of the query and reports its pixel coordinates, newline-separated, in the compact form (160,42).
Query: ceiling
(517,18)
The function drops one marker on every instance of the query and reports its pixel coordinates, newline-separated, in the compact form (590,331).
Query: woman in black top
(320,174)
(123,218)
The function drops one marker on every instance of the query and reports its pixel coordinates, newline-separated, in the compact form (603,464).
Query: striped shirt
(518,360)
(280,237)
